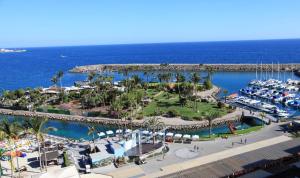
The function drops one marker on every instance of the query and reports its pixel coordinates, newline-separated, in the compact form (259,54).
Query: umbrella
(109,132)
(195,137)
(101,134)
(145,132)
(187,136)
(119,131)
(169,134)
(161,133)
(178,135)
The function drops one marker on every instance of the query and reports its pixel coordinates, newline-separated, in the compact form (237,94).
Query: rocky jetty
(183,67)
(108,121)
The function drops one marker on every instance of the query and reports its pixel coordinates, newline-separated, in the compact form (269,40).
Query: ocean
(36,66)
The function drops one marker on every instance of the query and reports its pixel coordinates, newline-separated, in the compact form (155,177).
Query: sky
(35,23)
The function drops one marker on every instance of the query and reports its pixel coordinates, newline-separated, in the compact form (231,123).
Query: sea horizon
(152,43)
(36,66)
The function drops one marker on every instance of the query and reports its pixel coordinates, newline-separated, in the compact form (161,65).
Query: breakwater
(185,67)
(113,122)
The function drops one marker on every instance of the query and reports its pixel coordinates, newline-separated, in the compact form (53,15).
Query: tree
(59,76)
(2,153)
(195,78)
(154,124)
(36,126)
(116,107)
(54,80)
(125,73)
(146,73)
(210,72)
(91,131)
(136,80)
(225,92)
(11,131)
(210,116)
(91,76)
(207,84)
(179,79)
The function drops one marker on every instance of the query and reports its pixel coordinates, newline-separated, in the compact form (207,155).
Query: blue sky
(26,23)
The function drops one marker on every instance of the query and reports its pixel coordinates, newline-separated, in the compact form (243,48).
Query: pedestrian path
(131,171)
(217,156)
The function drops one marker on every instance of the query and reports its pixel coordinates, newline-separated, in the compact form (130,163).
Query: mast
(261,69)
(278,71)
(266,71)
(256,71)
(293,73)
(272,71)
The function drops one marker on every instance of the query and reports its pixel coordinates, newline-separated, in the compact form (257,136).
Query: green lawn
(238,132)
(165,102)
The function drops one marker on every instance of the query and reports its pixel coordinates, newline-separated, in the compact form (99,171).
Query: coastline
(188,125)
(185,67)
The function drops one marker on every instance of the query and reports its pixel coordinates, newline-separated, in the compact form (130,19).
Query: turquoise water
(79,130)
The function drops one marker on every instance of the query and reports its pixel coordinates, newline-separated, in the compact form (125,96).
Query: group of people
(243,141)
(196,148)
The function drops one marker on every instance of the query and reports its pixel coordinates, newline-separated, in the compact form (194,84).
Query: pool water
(79,130)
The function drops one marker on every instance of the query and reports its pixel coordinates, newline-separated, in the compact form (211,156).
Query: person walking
(197,148)
(194,148)
(245,140)
(232,144)
(241,140)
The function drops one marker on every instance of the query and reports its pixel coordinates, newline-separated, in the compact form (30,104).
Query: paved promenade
(183,153)
(218,156)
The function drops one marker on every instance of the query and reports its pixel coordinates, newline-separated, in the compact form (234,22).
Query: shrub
(172,113)
(66,159)
(186,118)
(198,118)
(59,111)
(93,114)
(139,116)
(207,84)
(221,105)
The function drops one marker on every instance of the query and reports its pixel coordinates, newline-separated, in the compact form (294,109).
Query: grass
(52,109)
(165,102)
(238,132)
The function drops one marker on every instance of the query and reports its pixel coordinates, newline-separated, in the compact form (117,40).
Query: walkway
(206,148)
(242,161)
(218,156)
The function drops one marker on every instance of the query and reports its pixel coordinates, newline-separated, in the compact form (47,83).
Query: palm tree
(195,78)
(210,116)
(210,72)
(11,131)
(54,80)
(36,126)
(179,79)
(59,75)
(225,92)
(125,73)
(91,76)
(154,124)
(117,107)
(146,73)
(91,131)
(2,153)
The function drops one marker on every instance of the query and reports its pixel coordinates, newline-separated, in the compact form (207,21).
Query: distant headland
(12,50)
